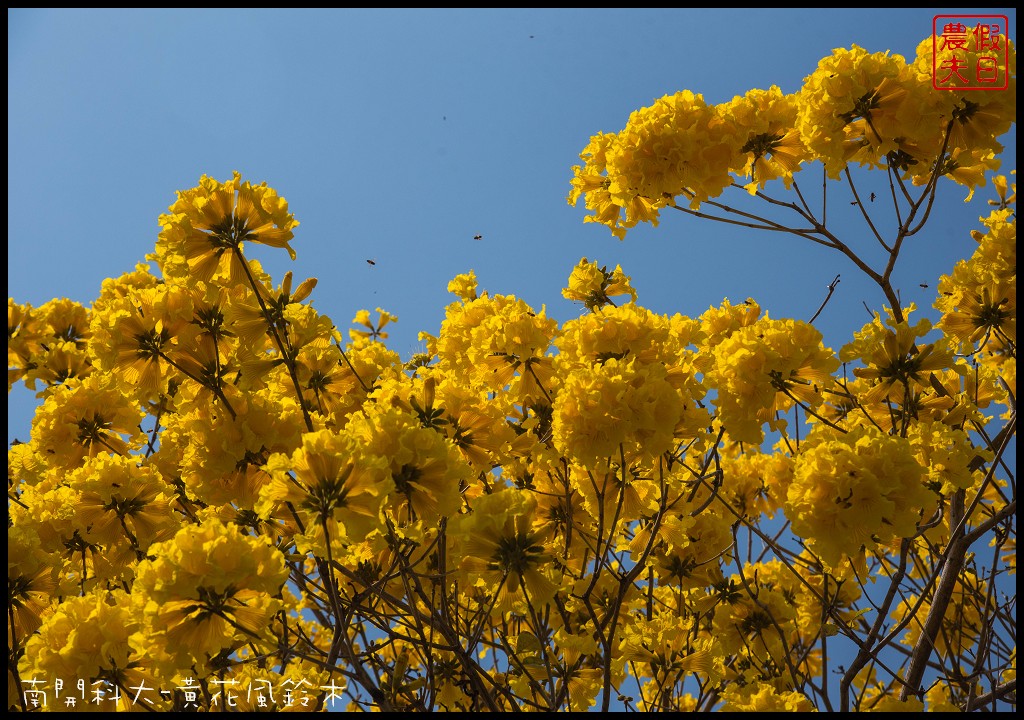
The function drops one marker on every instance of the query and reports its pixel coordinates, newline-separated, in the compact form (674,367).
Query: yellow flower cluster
(331,476)
(854,490)
(773,147)
(222,487)
(979,298)
(499,551)
(500,342)
(595,287)
(764,698)
(979,116)
(204,232)
(861,106)
(86,419)
(209,589)
(762,369)
(47,344)
(678,146)
(90,637)
(874,109)
(895,366)
(616,404)
(628,387)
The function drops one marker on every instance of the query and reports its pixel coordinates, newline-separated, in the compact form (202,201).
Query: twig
(831,289)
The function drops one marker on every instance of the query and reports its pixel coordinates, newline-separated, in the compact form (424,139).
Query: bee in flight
(371,262)
(478,237)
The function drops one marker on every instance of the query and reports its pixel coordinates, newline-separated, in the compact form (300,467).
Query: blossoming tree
(228,504)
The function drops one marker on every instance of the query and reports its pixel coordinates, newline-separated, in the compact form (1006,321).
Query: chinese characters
(970,52)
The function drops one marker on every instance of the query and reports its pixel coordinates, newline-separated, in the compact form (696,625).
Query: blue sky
(398,135)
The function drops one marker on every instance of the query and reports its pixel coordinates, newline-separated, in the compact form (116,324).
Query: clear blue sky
(398,135)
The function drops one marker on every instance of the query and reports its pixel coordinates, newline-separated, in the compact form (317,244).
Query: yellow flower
(497,343)
(939,698)
(464,286)
(65,320)
(219,457)
(763,368)
(979,298)
(88,638)
(754,483)
(981,317)
(866,106)
(321,375)
(498,550)
(893,359)
(980,116)
(625,494)
(347,385)
(427,472)
(31,581)
(854,490)
(24,340)
(253,321)
(719,323)
(773,147)
(964,167)
(665,647)
(594,286)
(687,549)
(47,343)
(1000,184)
(134,333)
(209,588)
(58,362)
(617,406)
(122,503)
(677,146)
(203,235)
(764,698)
(85,419)
(946,453)
(332,476)
(622,333)
(374,330)
(209,368)
(591,182)
(114,288)
(477,427)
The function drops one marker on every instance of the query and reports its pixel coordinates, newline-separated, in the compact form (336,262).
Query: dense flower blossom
(209,224)
(207,589)
(428,472)
(89,637)
(219,491)
(595,286)
(979,297)
(861,106)
(619,406)
(331,476)
(85,419)
(500,342)
(981,115)
(773,147)
(851,491)
(763,368)
(497,549)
